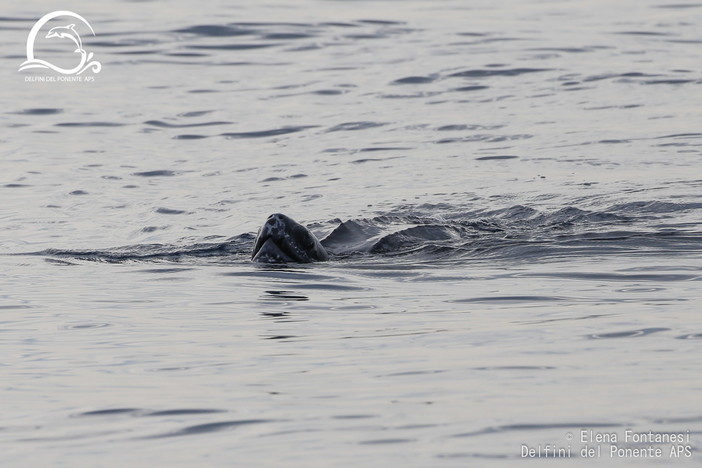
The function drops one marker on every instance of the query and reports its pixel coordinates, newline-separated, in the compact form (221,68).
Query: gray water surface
(527,174)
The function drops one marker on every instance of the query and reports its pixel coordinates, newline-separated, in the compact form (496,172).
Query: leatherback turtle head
(282,240)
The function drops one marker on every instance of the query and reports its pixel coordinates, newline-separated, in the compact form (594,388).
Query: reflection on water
(509,194)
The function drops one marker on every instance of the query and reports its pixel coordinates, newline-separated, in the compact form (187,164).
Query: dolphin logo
(61,32)
(67,32)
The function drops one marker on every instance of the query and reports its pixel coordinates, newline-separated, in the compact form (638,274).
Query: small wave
(89,124)
(169,211)
(537,427)
(210,427)
(268,133)
(190,137)
(493,158)
(161,124)
(235,249)
(627,334)
(239,46)
(157,173)
(415,80)
(352,126)
(470,88)
(215,30)
(40,111)
(680,5)
(486,73)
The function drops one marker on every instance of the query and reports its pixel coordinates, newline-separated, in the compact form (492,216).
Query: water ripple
(268,133)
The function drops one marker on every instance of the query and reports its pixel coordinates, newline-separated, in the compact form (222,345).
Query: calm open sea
(531,172)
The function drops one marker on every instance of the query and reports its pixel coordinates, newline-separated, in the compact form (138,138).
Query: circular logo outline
(85,62)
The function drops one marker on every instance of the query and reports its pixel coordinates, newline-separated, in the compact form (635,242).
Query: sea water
(531,170)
